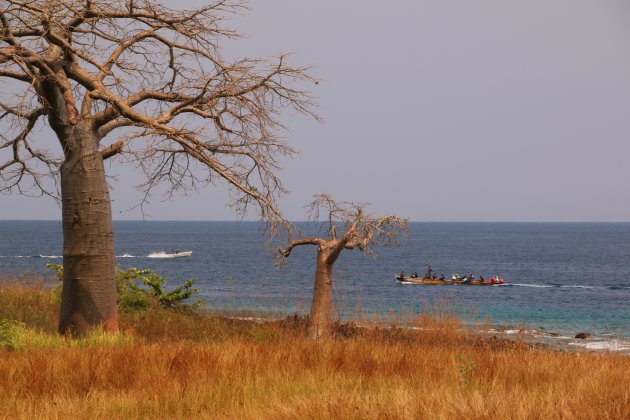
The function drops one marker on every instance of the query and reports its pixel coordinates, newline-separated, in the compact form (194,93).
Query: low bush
(140,289)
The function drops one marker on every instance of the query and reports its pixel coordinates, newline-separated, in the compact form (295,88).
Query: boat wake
(540,286)
(158,255)
(31,256)
(125,255)
(568,286)
(543,286)
(152,255)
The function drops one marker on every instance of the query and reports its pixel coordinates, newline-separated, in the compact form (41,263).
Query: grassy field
(175,364)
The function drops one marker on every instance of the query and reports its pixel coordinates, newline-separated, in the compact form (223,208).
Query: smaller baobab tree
(342,225)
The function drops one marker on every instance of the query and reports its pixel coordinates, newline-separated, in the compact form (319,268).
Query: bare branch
(286,252)
(158,75)
(112,149)
(15,75)
(360,230)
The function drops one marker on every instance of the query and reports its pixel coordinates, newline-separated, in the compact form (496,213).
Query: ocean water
(561,277)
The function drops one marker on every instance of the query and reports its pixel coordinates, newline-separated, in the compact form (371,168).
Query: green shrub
(139,289)
(7,339)
(466,368)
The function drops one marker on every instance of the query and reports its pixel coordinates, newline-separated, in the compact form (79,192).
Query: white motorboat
(175,254)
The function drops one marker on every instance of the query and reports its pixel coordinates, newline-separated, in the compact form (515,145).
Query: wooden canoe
(436,282)
(416,280)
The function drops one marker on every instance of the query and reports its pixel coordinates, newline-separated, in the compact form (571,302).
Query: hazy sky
(440,110)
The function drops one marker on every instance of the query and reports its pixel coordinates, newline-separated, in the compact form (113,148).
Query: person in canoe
(497,280)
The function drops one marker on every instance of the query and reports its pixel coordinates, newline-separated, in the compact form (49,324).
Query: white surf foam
(612,345)
(125,256)
(50,256)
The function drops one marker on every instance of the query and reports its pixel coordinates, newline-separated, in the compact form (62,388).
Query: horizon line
(306,221)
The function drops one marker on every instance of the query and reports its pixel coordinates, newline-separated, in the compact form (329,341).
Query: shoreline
(547,337)
(592,343)
(604,343)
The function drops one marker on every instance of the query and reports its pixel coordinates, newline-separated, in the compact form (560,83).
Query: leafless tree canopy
(346,225)
(158,77)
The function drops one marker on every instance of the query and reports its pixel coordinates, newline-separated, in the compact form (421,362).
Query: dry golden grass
(182,366)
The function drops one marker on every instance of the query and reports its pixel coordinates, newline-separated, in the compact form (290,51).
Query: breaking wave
(612,345)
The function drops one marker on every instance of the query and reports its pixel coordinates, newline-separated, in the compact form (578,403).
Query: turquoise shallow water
(564,277)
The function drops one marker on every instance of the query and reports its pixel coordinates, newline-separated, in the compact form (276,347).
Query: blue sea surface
(563,277)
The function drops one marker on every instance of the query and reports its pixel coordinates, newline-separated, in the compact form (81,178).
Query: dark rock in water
(582,335)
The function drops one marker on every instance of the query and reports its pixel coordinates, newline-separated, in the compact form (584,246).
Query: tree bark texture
(321,318)
(89,287)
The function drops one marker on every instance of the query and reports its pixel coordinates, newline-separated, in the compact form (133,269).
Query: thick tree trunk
(89,286)
(321,318)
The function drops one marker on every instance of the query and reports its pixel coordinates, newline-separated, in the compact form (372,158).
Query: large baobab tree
(343,225)
(134,81)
